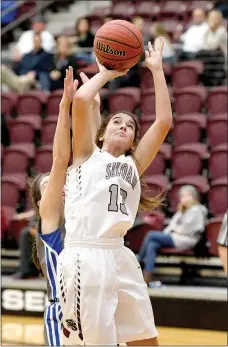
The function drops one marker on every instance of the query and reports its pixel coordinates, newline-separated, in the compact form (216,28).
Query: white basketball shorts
(103,296)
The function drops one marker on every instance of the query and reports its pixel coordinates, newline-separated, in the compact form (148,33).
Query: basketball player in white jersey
(47,195)
(102,293)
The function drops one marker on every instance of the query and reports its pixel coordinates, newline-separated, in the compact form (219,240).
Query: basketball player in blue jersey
(47,195)
(103,296)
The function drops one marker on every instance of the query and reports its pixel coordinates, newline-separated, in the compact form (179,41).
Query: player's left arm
(150,143)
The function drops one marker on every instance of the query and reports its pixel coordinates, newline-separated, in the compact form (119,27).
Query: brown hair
(35,194)
(146,203)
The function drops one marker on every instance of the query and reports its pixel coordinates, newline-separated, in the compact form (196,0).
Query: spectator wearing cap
(25,43)
(183,232)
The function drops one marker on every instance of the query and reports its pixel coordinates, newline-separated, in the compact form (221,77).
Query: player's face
(120,131)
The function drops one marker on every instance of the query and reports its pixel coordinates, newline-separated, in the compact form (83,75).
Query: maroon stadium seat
(186,74)
(9,101)
(188,128)
(217,130)
(217,100)
(10,193)
(147,9)
(218,161)
(156,184)
(16,160)
(124,99)
(158,165)
(217,196)
(173,9)
(198,181)
(146,78)
(187,159)
(147,102)
(33,119)
(53,102)
(123,10)
(145,123)
(21,131)
(44,158)
(189,100)
(48,131)
(212,231)
(31,102)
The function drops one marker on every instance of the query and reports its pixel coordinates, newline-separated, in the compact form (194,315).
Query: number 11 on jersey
(113,204)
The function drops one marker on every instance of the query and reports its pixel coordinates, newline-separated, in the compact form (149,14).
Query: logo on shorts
(71,324)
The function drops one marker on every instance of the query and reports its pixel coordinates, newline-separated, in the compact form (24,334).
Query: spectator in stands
(83,38)
(193,38)
(140,24)
(6,19)
(38,61)
(27,267)
(26,42)
(183,232)
(223,243)
(216,35)
(214,52)
(169,55)
(61,60)
(16,83)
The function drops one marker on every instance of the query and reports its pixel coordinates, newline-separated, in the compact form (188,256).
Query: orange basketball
(118,45)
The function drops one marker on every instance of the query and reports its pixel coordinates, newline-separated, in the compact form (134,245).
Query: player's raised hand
(111,74)
(154,54)
(70,86)
(85,79)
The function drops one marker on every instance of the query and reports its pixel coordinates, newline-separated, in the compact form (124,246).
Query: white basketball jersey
(102,197)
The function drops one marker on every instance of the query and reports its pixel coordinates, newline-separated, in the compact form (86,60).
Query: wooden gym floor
(17,330)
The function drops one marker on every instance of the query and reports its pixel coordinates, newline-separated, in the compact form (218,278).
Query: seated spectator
(8,18)
(16,83)
(27,267)
(214,52)
(139,22)
(38,61)
(26,42)
(61,60)
(168,55)
(183,232)
(216,35)
(193,37)
(223,243)
(83,39)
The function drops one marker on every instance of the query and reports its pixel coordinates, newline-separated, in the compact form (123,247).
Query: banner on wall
(24,302)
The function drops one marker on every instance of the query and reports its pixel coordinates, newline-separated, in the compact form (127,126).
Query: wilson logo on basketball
(108,49)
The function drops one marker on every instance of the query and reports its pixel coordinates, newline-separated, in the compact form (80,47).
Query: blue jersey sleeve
(53,240)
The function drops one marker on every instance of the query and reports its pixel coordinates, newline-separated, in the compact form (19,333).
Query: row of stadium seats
(190,128)
(185,101)
(173,14)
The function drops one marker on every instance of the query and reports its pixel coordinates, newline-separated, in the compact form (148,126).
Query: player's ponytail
(35,194)
(146,203)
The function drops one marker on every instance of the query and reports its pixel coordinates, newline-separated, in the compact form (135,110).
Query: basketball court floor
(22,331)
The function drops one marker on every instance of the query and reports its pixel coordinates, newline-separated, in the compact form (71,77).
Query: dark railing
(40,6)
